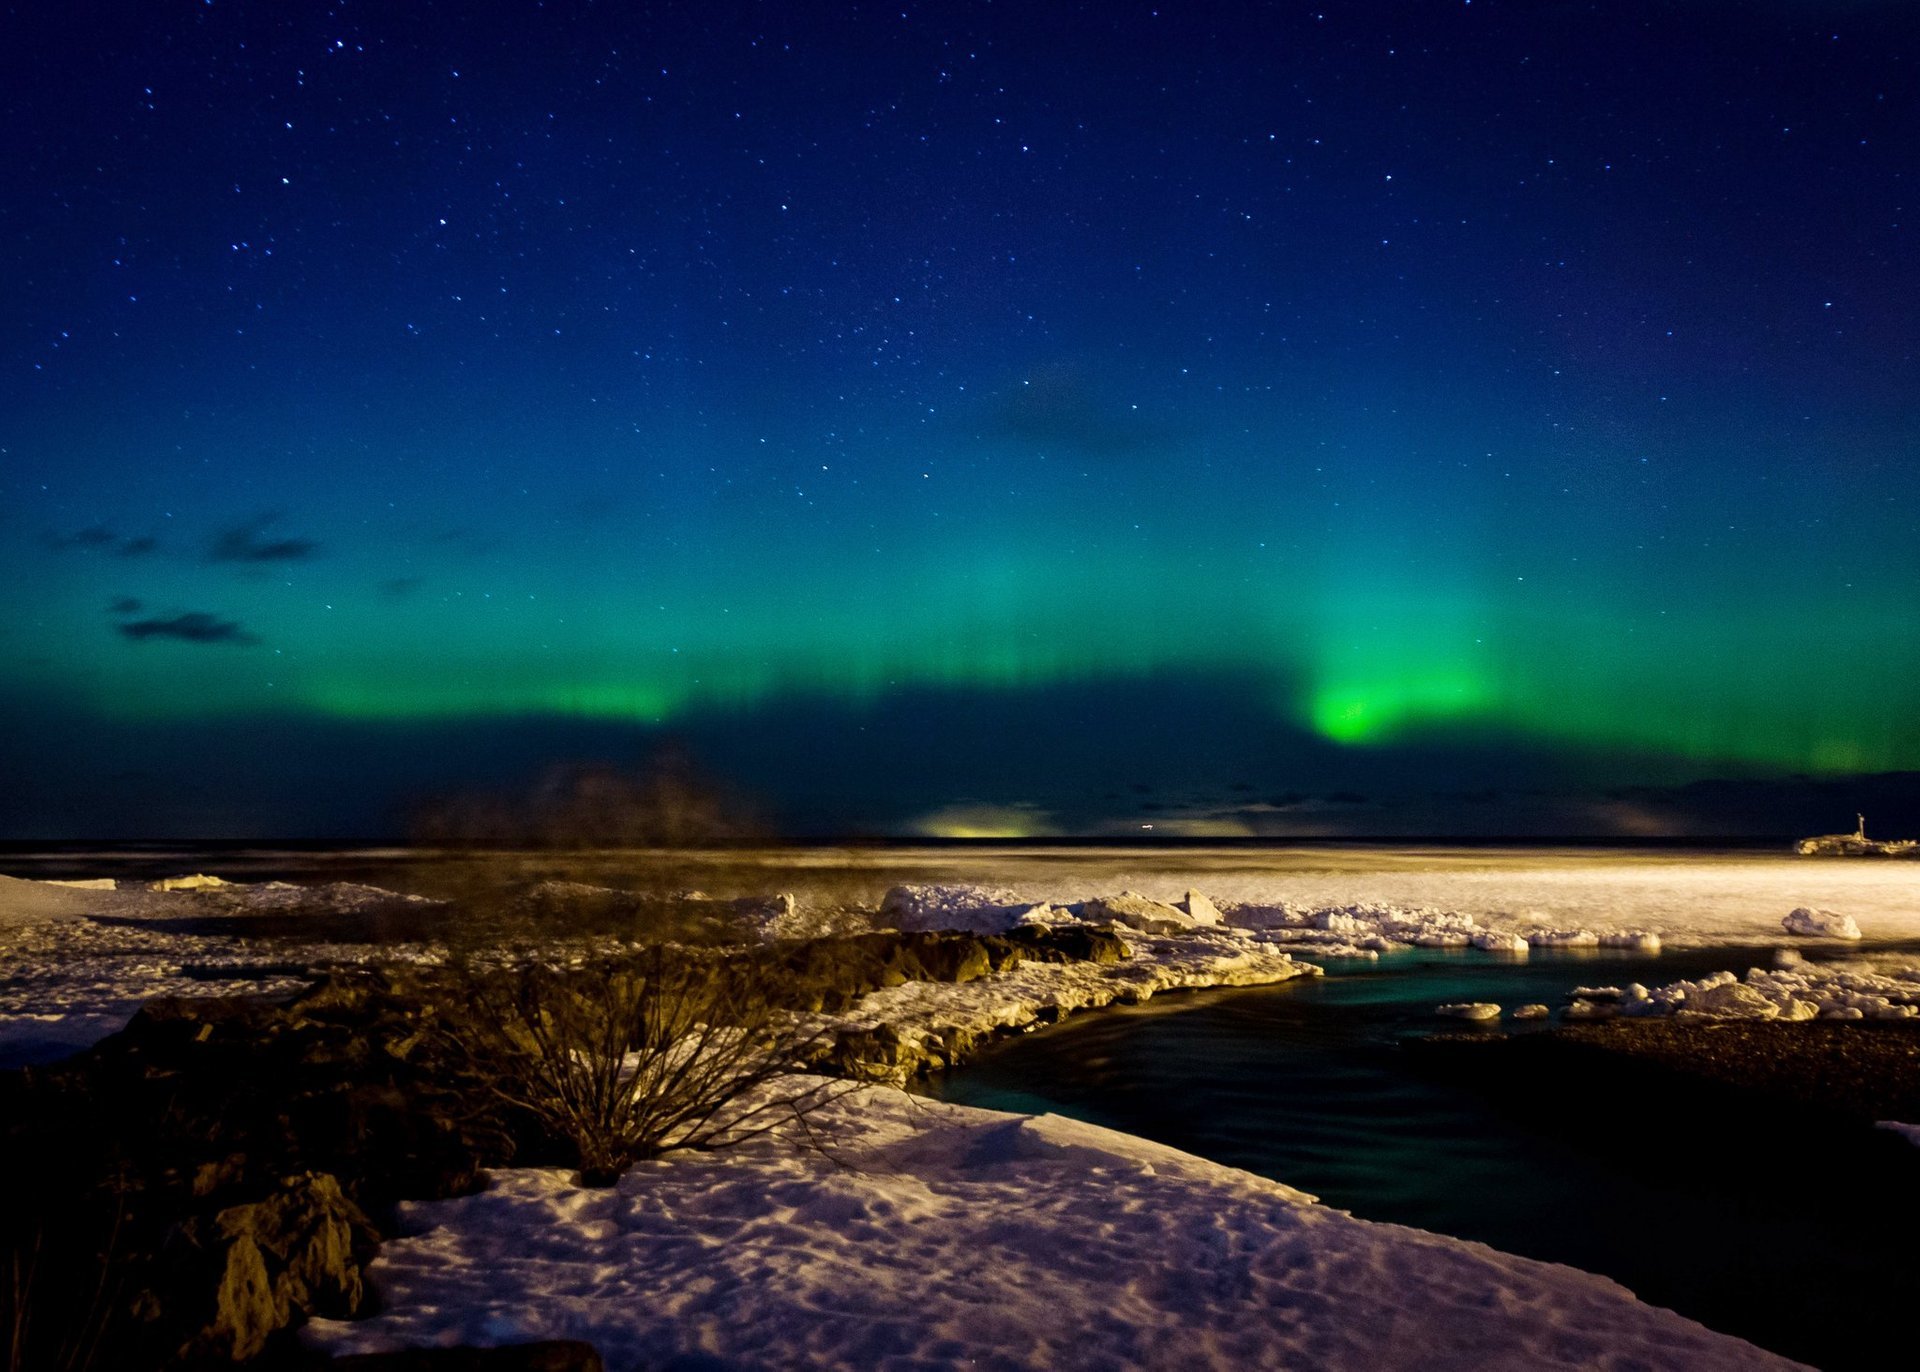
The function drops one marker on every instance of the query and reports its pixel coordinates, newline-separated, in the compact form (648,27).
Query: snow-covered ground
(937,1235)
(66,979)
(933,1235)
(1689,900)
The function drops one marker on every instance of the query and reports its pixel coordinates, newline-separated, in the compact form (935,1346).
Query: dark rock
(257,1268)
(1069,944)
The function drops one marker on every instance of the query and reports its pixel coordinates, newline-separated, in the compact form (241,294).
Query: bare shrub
(61,1282)
(630,1057)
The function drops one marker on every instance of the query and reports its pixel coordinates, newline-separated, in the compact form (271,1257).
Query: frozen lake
(1692,896)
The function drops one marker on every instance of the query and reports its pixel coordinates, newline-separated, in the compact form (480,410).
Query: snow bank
(936,1235)
(28,902)
(1820,924)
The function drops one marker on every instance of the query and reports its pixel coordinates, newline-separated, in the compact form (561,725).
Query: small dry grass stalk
(633,1056)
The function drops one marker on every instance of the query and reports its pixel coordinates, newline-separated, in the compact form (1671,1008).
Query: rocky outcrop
(261,1267)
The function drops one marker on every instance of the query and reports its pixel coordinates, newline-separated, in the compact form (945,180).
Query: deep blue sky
(971,417)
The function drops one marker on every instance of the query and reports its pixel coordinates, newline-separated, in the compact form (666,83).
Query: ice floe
(1795,992)
(1470,1010)
(1820,924)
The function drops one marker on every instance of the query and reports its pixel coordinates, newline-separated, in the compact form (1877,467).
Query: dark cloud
(125,605)
(193,627)
(93,536)
(100,536)
(249,542)
(1057,408)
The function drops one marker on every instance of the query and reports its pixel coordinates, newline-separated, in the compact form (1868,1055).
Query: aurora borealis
(1468,395)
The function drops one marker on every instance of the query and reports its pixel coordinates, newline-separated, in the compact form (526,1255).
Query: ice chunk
(1491,942)
(1140,912)
(973,909)
(1564,938)
(1474,1010)
(1733,1000)
(1820,924)
(1201,909)
(1591,1009)
(1535,1011)
(1639,940)
(199,881)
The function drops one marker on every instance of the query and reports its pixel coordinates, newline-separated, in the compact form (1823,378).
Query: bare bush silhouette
(667,803)
(62,1278)
(635,1056)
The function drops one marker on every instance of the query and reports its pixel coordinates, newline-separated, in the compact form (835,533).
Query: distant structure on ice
(1857,844)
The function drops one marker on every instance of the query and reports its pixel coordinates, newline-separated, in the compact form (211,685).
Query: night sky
(1453,416)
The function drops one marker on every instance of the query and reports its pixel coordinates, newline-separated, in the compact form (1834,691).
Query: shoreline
(896,1030)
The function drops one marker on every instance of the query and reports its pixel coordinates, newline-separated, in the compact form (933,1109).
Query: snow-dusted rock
(1202,910)
(934,1021)
(774,918)
(1140,912)
(1534,1011)
(1820,924)
(1473,1010)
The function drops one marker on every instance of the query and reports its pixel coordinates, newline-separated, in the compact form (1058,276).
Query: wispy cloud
(1059,408)
(249,542)
(93,536)
(193,627)
(98,537)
